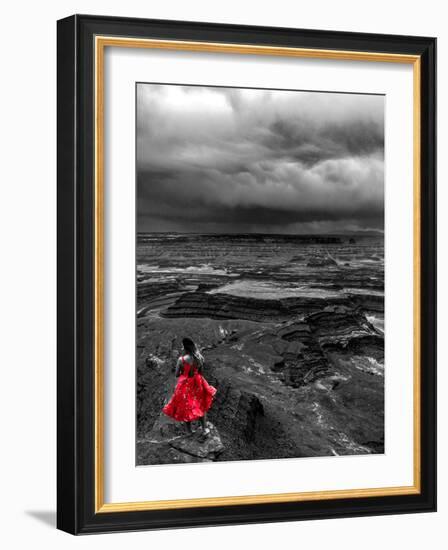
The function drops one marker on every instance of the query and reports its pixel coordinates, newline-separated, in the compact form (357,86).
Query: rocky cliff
(292,329)
(226,306)
(308,387)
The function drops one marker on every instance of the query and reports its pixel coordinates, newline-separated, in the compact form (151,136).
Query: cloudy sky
(245,160)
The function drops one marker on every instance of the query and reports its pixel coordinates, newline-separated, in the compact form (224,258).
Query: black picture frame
(76,512)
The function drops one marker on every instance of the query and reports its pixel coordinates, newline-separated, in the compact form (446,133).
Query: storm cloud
(215,159)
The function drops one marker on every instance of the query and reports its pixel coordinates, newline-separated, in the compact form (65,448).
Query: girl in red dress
(193,395)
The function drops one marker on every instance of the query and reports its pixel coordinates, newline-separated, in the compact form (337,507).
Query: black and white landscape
(260,219)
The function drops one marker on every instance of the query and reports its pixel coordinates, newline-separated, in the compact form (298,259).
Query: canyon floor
(291,328)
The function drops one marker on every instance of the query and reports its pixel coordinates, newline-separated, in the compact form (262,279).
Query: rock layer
(227,306)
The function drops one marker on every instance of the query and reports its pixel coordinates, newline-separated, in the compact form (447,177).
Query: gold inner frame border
(100,43)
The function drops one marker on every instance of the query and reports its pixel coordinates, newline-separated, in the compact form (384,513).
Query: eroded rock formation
(298,359)
(226,306)
(169,442)
(308,387)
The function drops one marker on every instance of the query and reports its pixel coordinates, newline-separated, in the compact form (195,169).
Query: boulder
(236,410)
(207,447)
(162,452)
(170,442)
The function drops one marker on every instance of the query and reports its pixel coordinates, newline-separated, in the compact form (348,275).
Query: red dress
(192,397)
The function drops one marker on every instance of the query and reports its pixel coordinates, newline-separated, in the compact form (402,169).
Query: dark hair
(189,345)
(191,348)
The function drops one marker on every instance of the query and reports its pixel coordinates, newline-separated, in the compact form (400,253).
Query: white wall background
(27,272)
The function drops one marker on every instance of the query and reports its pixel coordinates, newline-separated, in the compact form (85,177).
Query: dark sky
(236,160)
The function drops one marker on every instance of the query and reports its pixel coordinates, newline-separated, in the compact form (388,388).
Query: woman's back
(189,365)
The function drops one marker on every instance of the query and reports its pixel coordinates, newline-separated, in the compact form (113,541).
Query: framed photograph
(246,274)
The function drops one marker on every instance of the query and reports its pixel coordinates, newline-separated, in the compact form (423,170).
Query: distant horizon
(358,232)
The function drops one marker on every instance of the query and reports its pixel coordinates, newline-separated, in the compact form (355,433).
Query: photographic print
(260,274)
